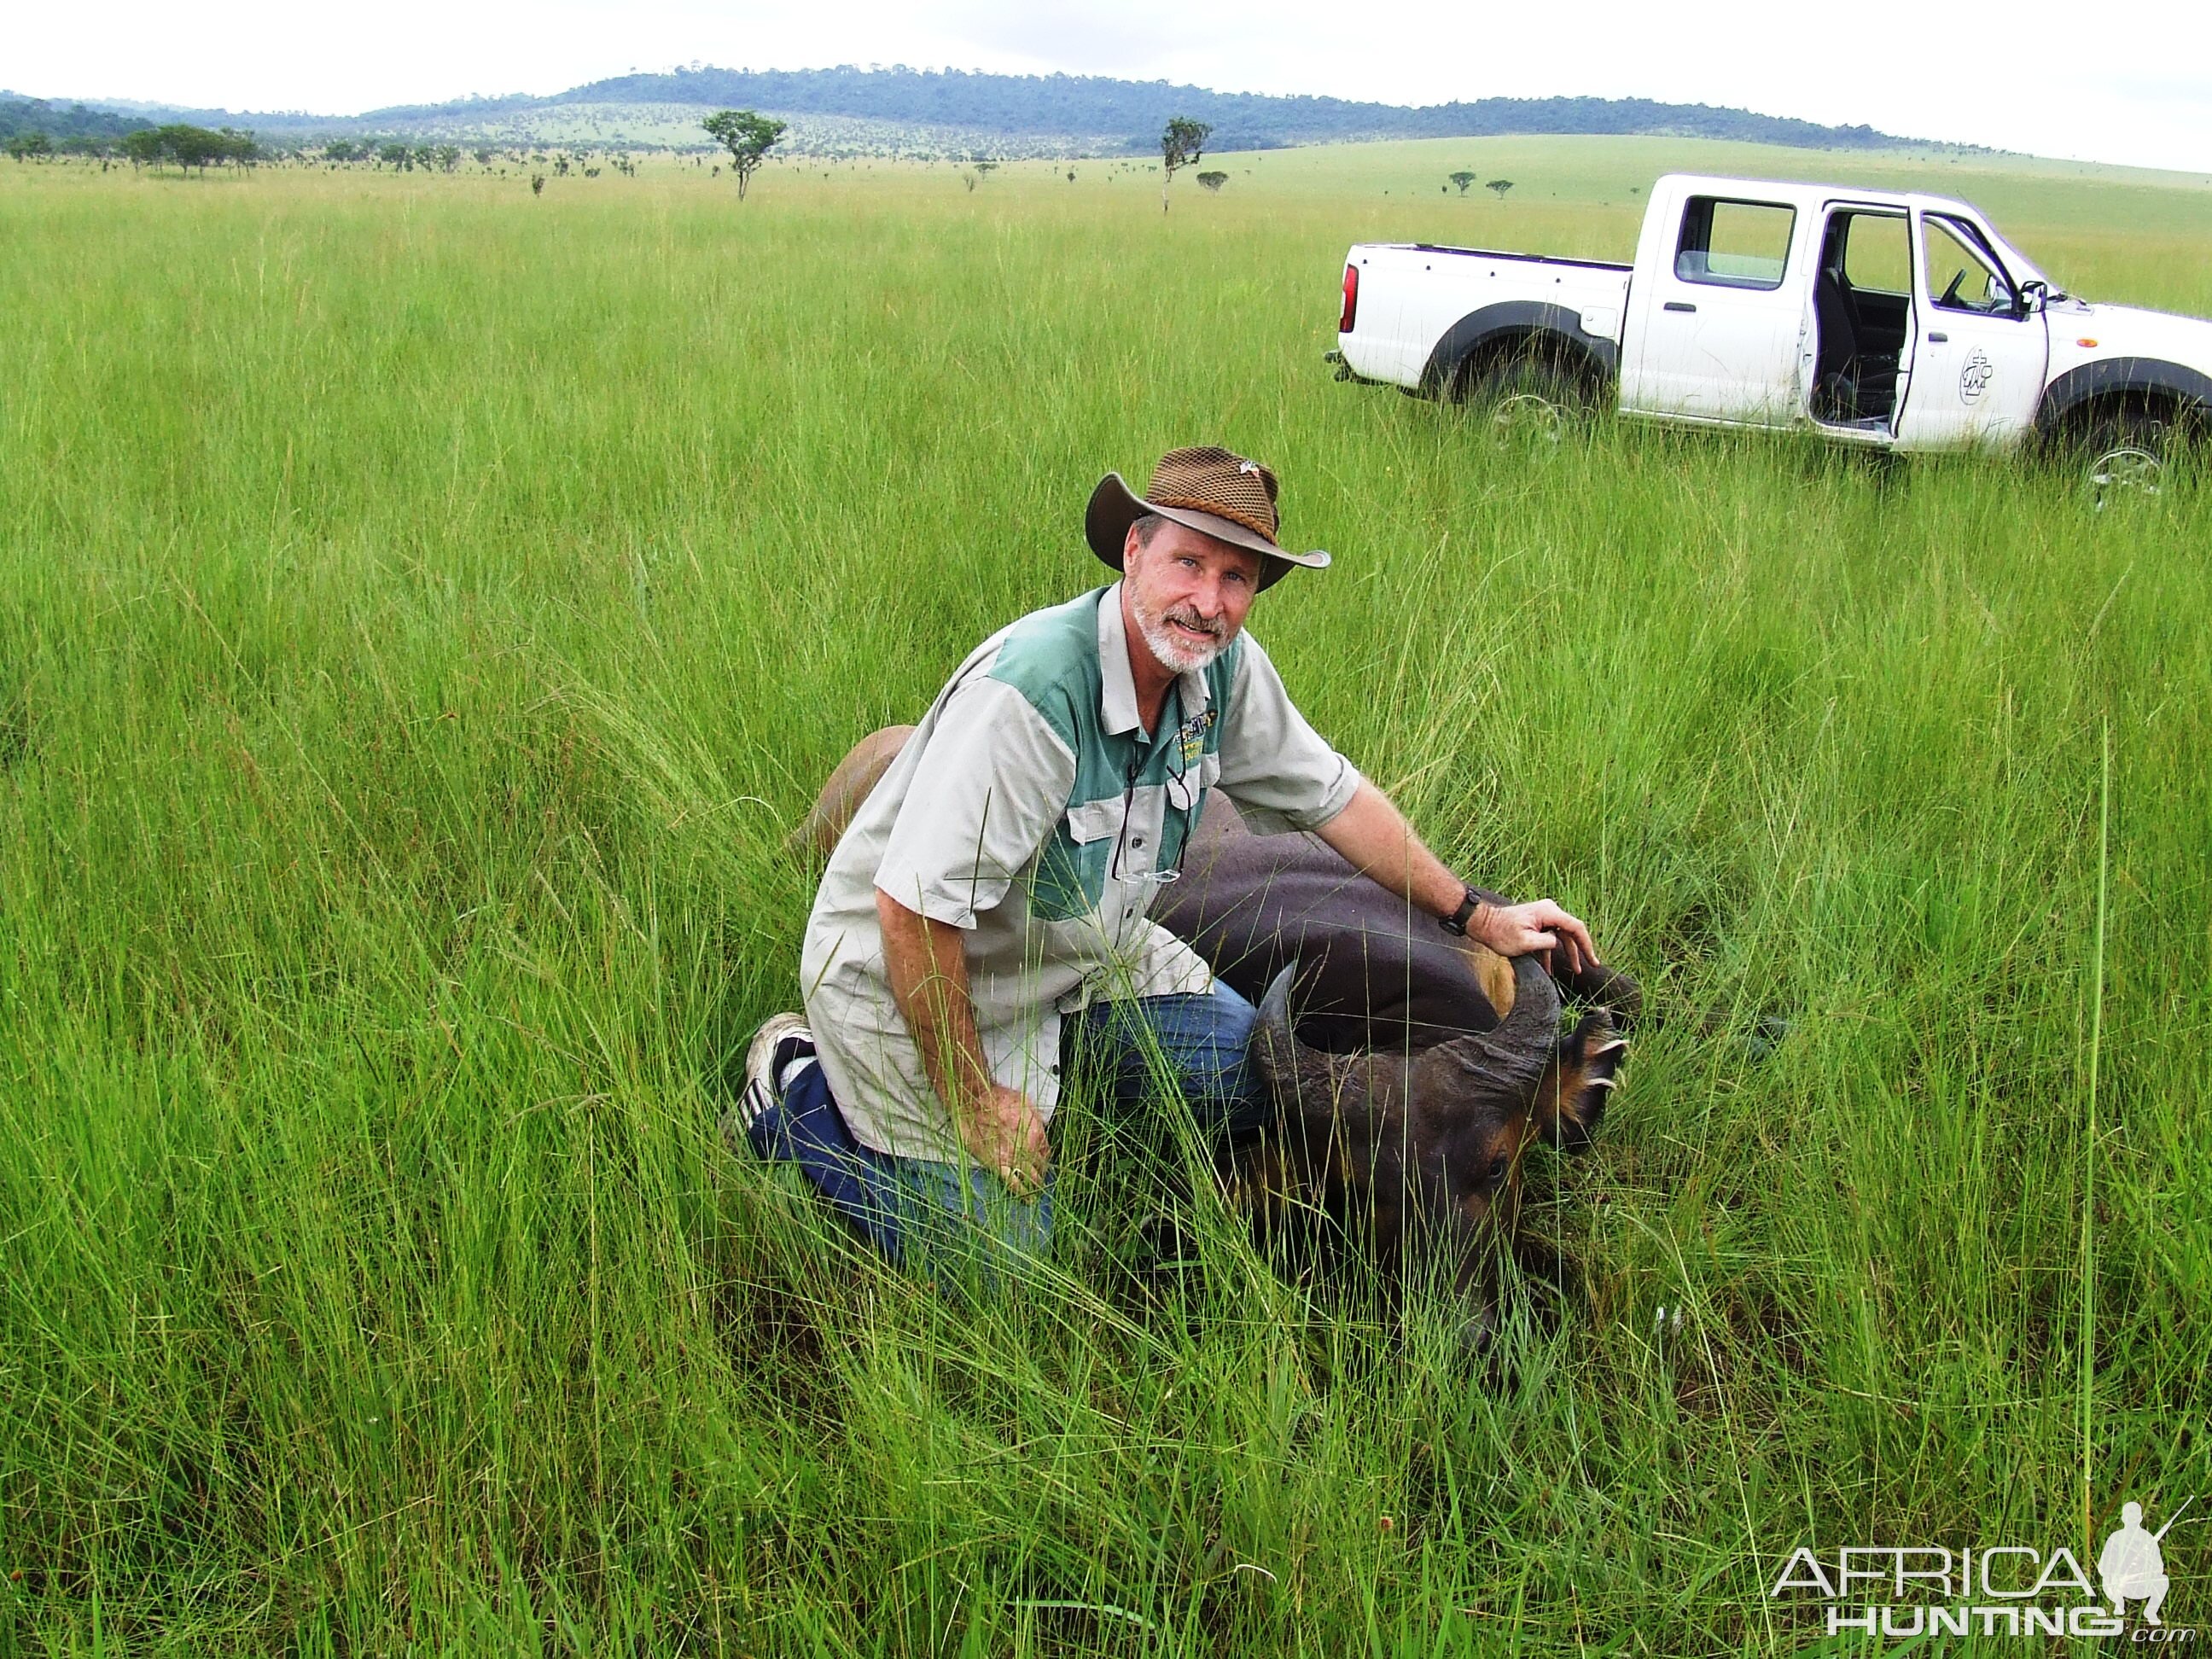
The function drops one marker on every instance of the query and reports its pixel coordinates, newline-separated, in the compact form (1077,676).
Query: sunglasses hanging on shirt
(1128,799)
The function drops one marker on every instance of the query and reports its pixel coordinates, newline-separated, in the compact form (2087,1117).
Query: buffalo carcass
(1425,1067)
(1422,1067)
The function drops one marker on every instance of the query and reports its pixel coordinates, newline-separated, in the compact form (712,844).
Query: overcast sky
(2115,83)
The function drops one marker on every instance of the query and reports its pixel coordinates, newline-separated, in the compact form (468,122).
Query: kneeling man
(983,919)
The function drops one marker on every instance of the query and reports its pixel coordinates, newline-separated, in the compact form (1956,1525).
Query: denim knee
(1198,1040)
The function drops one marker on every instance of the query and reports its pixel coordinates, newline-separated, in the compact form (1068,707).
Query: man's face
(1188,592)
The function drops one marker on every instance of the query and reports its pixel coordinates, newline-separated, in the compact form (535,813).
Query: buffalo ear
(1570,1095)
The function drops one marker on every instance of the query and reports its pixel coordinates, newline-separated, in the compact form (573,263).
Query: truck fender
(2111,376)
(1556,325)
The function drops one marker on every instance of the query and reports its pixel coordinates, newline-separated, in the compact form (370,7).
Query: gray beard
(1174,651)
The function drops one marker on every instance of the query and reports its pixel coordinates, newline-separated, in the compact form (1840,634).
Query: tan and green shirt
(1033,811)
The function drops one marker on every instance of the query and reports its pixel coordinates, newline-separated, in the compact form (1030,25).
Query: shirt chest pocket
(1070,879)
(1187,792)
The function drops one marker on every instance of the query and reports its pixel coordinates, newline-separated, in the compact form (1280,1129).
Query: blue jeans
(1196,1044)
(935,1217)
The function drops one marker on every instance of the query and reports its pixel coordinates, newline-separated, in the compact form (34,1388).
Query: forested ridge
(1114,114)
(1089,104)
(63,121)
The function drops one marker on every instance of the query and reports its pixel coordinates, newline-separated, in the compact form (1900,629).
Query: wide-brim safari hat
(1214,491)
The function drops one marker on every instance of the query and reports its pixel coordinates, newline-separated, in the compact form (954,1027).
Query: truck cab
(1886,319)
(1898,320)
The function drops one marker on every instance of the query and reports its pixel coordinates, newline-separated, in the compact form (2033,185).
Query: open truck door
(1856,361)
(1984,342)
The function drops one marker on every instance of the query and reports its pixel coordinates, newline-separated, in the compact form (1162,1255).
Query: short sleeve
(991,781)
(1275,765)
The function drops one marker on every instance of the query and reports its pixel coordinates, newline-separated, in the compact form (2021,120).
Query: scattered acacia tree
(1463,179)
(1181,145)
(1214,180)
(191,147)
(24,145)
(1499,187)
(395,155)
(748,137)
(142,148)
(449,157)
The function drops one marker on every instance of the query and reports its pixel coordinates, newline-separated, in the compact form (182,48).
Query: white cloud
(2033,75)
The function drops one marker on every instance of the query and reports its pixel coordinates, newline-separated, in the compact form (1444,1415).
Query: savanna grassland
(424,607)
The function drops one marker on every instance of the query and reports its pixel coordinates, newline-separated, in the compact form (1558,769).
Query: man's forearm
(927,965)
(1373,836)
(1375,839)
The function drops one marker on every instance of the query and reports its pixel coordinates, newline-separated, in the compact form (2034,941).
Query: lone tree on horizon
(1181,145)
(1463,179)
(1213,181)
(189,147)
(1499,186)
(747,136)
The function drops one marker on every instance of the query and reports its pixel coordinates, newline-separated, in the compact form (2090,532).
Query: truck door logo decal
(1974,379)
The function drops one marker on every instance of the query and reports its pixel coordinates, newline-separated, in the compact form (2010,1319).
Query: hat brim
(1114,506)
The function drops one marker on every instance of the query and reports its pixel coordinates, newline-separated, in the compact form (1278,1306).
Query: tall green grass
(426,608)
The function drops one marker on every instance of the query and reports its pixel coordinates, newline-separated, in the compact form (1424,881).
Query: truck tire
(1526,396)
(2126,453)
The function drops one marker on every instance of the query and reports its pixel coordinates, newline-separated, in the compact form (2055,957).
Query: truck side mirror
(2033,296)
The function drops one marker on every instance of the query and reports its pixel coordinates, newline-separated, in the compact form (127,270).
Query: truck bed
(1411,293)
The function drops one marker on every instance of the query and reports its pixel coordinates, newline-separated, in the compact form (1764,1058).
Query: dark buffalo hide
(1419,1069)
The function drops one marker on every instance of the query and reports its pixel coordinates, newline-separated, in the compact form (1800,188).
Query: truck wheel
(2125,456)
(1527,398)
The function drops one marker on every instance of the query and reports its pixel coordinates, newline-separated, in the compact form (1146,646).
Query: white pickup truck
(1896,321)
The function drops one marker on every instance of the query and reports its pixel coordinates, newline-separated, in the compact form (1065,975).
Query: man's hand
(928,966)
(1514,930)
(1004,1132)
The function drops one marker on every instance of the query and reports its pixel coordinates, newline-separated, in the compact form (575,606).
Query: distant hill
(847,110)
(1138,109)
(60,122)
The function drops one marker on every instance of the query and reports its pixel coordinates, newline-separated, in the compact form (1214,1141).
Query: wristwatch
(1457,920)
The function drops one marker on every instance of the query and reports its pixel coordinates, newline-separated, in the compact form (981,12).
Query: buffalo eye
(1495,1175)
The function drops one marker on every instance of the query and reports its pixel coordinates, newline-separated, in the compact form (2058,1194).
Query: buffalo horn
(1284,1063)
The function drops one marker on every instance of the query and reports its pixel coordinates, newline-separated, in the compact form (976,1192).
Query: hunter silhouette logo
(2131,1566)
